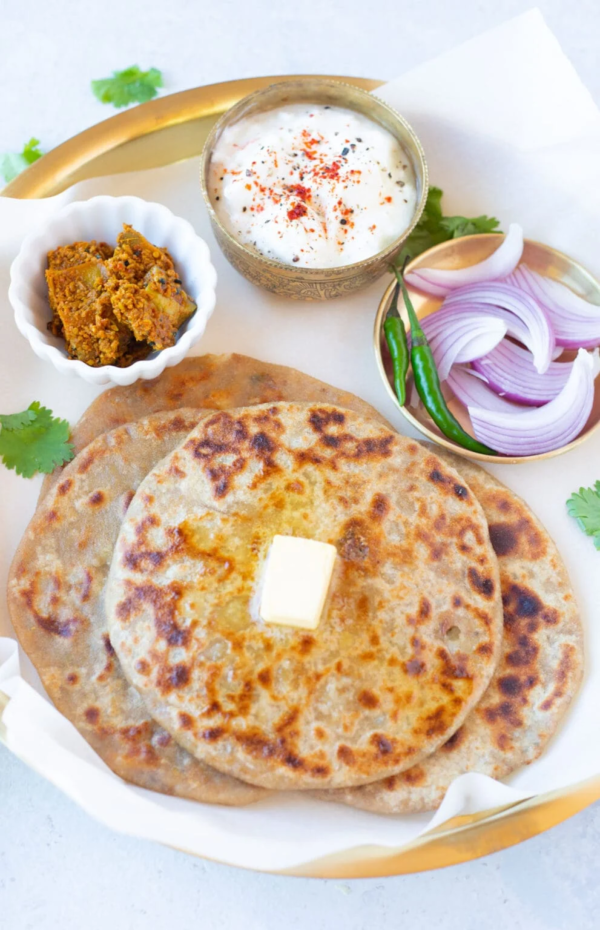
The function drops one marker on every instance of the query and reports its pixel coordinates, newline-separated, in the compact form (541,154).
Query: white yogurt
(313,185)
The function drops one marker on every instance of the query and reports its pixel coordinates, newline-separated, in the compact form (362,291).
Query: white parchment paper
(508,129)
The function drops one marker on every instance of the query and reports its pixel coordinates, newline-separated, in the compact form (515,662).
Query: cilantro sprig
(12,163)
(128,86)
(585,508)
(434,227)
(34,440)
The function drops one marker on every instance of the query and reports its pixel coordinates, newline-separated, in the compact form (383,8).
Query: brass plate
(459,253)
(160,132)
(171,129)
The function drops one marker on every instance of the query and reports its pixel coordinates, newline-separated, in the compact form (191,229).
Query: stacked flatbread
(451,640)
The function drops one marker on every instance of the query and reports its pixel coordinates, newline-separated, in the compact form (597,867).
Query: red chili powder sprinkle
(301,192)
(331,171)
(297,211)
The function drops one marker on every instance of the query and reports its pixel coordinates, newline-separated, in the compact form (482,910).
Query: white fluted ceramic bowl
(102,218)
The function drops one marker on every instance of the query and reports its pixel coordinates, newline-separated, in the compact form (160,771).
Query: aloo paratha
(538,674)
(210,382)
(411,634)
(55,593)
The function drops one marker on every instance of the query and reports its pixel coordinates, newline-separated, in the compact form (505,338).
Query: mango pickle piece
(90,328)
(115,306)
(168,296)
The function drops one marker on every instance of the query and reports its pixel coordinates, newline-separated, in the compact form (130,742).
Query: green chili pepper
(427,382)
(397,343)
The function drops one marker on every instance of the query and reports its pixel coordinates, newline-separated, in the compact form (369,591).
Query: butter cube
(296,581)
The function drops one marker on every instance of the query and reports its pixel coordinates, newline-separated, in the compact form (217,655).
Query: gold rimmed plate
(173,128)
(460,253)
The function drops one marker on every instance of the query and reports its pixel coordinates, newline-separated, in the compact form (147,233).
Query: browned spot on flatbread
(321,418)
(414,667)
(265,677)
(368,699)
(519,537)
(413,776)
(481,583)
(457,739)
(346,755)
(87,459)
(503,538)
(355,544)
(424,609)
(562,676)
(381,744)
(380,506)
(86,586)
(64,487)
(447,482)
(212,734)
(306,644)
(163,602)
(56,627)
(172,677)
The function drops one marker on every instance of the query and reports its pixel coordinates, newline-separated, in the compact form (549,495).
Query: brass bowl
(458,253)
(314,283)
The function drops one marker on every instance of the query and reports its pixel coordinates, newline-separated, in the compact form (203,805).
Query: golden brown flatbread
(55,593)
(210,382)
(539,673)
(405,648)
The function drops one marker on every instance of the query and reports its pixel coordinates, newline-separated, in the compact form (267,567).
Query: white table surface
(58,868)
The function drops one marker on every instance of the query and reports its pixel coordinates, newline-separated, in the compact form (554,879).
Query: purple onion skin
(508,395)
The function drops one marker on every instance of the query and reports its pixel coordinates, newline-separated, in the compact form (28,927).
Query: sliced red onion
(449,315)
(509,370)
(468,338)
(471,391)
(416,280)
(498,295)
(575,321)
(499,264)
(546,428)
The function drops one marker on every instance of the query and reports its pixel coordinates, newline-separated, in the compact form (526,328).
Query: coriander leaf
(433,206)
(459,226)
(38,444)
(13,163)
(128,86)
(434,227)
(585,508)
(17,420)
(31,151)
